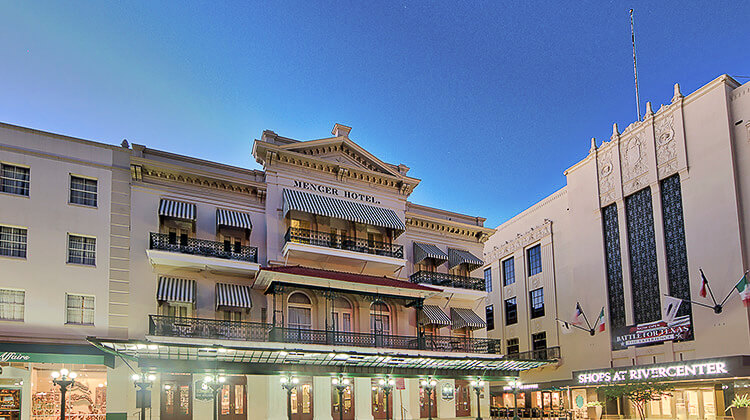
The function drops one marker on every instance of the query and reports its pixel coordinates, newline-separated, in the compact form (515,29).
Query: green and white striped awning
(466,318)
(457,256)
(433,315)
(341,209)
(172,289)
(233,296)
(423,251)
(177,209)
(235,219)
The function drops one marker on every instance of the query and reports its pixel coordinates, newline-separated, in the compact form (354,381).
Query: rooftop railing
(193,246)
(169,326)
(349,243)
(449,280)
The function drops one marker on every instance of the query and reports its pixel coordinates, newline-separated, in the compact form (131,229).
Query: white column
(363,399)
(120,389)
(445,409)
(322,389)
(266,399)
(408,399)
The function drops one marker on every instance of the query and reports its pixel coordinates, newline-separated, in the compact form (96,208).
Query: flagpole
(572,324)
(635,67)
(734,287)
(708,285)
(584,317)
(692,302)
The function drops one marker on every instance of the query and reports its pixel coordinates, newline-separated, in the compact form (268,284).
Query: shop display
(10,404)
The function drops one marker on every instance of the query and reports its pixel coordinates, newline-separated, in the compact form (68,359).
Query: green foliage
(594,404)
(740,401)
(639,393)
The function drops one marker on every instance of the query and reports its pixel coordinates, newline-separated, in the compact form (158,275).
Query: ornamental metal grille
(643,268)
(674,240)
(615,293)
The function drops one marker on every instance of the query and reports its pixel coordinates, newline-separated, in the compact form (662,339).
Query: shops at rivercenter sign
(661,372)
(335,191)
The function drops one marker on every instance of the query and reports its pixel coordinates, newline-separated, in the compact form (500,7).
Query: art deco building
(123,259)
(640,216)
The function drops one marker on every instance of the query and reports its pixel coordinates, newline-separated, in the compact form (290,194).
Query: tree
(639,393)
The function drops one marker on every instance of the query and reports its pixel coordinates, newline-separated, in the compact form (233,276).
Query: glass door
(232,398)
(176,398)
(423,404)
(348,397)
(302,400)
(463,398)
(379,403)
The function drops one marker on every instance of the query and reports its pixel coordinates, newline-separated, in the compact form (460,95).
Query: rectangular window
(536,298)
(644,273)
(489,315)
(539,341)
(509,272)
(511,311)
(488,279)
(14,179)
(12,242)
(534,256)
(512,346)
(80,310)
(12,304)
(81,250)
(83,191)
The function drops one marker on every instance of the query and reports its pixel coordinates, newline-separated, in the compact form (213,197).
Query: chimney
(340,130)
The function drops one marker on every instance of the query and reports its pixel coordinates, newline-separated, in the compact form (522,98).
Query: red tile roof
(350,277)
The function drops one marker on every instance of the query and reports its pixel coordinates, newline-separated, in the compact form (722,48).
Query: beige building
(638,219)
(122,260)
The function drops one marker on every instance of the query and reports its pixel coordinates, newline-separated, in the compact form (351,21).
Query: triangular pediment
(342,151)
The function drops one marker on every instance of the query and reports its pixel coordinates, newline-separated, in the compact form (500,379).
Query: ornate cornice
(520,241)
(477,233)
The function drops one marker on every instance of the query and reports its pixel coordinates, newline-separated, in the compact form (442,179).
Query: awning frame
(235,296)
(177,209)
(233,219)
(434,315)
(423,251)
(466,318)
(174,289)
(457,257)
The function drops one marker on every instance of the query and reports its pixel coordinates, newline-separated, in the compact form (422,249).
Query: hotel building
(640,216)
(122,260)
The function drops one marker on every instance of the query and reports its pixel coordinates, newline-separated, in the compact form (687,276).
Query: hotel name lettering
(665,372)
(335,191)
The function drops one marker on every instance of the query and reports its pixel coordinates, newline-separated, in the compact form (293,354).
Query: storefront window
(87,398)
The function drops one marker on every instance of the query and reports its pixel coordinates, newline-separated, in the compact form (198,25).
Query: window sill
(11,257)
(81,265)
(15,195)
(75,324)
(83,205)
(14,321)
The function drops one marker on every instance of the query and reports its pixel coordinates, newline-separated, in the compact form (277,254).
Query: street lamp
(64,378)
(477,386)
(387,385)
(142,396)
(515,386)
(428,385)
(289,383)
(215,383)
(341,384)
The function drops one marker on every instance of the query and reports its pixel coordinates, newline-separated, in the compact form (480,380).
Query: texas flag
(599,326)
(577,314)
(704,285)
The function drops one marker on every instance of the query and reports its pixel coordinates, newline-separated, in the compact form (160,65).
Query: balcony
(330,250)
(200,254)
(448,280)
(166,326)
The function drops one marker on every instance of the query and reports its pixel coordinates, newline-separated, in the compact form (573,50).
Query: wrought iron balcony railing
(169,326)
(192,246)
(450,280)
(329,240)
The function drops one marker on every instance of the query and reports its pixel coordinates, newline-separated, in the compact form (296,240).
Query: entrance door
(463,398)
(302,400)
(423,404)
(379,403)
(176,398)
(348,397)
(232,398)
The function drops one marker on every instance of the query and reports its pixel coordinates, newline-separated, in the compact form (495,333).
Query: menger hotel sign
(335,191)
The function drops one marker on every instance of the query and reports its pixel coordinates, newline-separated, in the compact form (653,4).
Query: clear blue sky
(487,102)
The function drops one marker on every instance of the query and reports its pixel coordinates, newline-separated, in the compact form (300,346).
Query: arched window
(380,318)
(299,310)
(342,315)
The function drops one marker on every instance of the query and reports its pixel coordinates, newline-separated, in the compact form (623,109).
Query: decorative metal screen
(615,292)
(642,245)
(674,240)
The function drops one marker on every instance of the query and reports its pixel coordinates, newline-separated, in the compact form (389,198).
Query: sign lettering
(9,356)
(335,191)
(667,371)
(652,332)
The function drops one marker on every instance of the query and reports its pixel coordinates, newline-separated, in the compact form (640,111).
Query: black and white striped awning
(466,318)
(341,209)
(175,290)
(233,296)
(457,256)
(433,315)
(177,209)
(424,251)
(234,219)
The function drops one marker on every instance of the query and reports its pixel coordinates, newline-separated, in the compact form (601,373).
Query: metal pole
(341,403)
(289,403)
(479,405)
(143,413)
(429,403)
(63,390)
(635,66)
(387,408)
(216,406)
(515,403)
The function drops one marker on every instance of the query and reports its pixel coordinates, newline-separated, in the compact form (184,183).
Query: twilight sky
(488,102)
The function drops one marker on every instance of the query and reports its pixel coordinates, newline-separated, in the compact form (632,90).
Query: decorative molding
(140,173)
(606,169)
(633,163)
(522,239)
(477,233)
(666,146)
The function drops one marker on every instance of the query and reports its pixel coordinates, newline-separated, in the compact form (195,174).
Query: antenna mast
(635,67)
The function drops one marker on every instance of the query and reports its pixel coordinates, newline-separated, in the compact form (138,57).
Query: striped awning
(341,209)
(433,315)
(175,290)
(235,219)
(466,318)
(457,256)
(177,209)
(424,251)
(233,295)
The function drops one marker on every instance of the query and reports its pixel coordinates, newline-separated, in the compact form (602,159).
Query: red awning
(349,277)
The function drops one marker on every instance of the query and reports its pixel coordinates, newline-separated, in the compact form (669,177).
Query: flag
(671,306)
(599,326)
(577,314)
(565,327)
(744,290)
(704,285)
